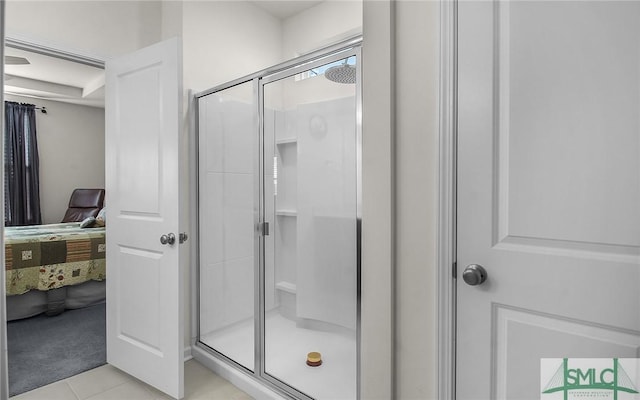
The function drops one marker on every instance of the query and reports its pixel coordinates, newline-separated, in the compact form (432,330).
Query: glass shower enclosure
(278,224)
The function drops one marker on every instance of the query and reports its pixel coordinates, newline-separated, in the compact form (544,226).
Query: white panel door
(144,285)
(548,189)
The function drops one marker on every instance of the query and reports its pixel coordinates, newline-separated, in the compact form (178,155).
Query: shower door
(228,215)
(310,286)
(278,204)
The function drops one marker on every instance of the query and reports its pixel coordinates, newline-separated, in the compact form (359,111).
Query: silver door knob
(168,239)
(474,274)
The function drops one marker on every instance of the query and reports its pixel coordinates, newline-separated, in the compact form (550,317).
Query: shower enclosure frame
(200,350)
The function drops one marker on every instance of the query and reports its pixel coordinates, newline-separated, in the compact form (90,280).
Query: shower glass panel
(310,198)
(228,214)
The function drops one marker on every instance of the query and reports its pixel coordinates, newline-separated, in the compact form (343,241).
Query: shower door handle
(264,229)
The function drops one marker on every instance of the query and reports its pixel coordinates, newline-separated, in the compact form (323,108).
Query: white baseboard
(187,354)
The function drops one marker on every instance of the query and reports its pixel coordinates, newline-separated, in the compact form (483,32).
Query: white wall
(322,25)
(99,28)
(171,19)
(378,203)
(225,40)
(71,148)
(416,177)
(400,131)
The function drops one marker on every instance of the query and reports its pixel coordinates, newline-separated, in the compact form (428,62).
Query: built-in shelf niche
(286,287)
(286,213)
(287,169)
(286,152)
(284,141)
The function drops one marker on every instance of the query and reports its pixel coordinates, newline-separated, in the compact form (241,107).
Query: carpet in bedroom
(45,349)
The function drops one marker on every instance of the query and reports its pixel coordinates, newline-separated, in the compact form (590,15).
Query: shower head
(344,73)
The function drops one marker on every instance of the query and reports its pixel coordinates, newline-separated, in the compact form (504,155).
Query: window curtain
(21,166)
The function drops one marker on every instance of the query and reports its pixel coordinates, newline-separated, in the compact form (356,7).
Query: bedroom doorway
(63,168)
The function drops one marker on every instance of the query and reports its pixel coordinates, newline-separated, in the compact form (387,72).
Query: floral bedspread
(44,257)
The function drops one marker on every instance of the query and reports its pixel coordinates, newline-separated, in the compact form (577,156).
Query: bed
(50,268)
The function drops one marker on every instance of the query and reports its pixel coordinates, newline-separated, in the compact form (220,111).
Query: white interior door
(549,189)
(144,285)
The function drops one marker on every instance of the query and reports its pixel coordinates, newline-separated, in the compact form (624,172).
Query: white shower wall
(315,206)
(315,261)
(327,212)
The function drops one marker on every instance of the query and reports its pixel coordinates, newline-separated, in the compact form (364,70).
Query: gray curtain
(21,166)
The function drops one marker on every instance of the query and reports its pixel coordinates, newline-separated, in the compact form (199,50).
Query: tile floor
(109,383)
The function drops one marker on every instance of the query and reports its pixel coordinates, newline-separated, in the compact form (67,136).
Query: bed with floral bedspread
(45,257)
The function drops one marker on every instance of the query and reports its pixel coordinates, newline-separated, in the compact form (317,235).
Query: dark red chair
(84,203)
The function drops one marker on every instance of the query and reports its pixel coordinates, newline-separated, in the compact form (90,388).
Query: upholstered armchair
(84,203)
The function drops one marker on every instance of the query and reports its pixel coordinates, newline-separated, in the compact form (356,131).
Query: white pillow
(102,215)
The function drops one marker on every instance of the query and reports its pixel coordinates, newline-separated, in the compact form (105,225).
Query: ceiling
(52,78)
(283,9)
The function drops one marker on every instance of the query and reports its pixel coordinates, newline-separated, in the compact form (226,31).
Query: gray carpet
(45,349)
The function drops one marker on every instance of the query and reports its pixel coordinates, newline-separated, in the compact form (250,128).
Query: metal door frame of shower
(342,50)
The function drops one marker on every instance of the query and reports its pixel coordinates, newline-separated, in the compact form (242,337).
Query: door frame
(52,52)
(447,186)
(4,375)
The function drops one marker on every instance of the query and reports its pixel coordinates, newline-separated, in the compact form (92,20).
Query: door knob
(474,274)
(168,239)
